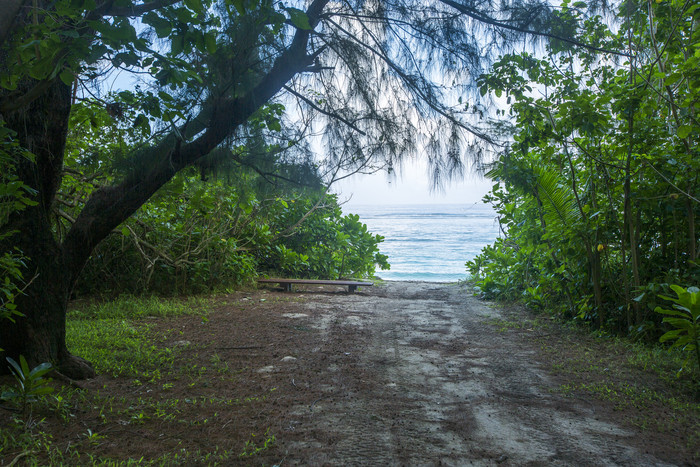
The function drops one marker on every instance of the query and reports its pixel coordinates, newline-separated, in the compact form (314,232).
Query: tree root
(73,367)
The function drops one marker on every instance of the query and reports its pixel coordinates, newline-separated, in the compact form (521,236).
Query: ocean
(429,242)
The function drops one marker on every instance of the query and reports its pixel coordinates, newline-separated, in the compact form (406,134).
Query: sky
(411,186)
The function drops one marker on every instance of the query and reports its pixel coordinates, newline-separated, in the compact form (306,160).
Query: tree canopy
(374,82)
(598,192)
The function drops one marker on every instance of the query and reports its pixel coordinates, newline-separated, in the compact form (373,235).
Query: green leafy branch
(31,384)
(685,318)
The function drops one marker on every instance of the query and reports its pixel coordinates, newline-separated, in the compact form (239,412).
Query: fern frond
(557,196)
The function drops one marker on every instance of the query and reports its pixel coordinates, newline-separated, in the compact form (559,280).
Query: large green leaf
(557,196)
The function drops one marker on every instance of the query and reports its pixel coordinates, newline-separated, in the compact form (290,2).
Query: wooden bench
(288,283)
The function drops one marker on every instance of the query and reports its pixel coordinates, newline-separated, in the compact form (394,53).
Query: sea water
(429,242)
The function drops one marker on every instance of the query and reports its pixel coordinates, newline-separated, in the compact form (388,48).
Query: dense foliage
(598,192)
(205,83)
(14,197)
(326,245)
(211,239)
(211,227)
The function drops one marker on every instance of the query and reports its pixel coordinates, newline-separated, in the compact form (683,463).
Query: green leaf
(24,365)
(165,96)
(670,335)
(15,366)
(684,131)
(162,26)
(680,323)
(42,391)
(40,370)
(72,33)
(299,18)
(67,77)
(239,5)
(194,5)
(143,123)
(210,42)
(177,44)
(666,311)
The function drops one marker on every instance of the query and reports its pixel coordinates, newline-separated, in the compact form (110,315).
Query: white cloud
(411,186)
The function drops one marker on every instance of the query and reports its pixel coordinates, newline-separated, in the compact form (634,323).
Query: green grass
(115,339)
(668,364)
(256,445)
(504,325)
(119,348)
(119,338)
(132,307)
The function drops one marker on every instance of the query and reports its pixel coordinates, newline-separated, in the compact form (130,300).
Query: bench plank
(287,283)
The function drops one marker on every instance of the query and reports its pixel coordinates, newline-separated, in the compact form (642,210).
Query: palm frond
(557,195)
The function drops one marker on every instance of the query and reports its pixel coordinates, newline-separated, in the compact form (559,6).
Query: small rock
(288,358)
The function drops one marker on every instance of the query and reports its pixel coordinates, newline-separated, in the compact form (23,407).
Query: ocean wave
(430,243)
(422,276)
(443,215)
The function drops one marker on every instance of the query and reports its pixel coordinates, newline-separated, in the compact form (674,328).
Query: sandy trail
(413,374)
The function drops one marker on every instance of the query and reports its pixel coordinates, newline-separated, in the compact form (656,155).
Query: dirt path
(413,374)
(397,374)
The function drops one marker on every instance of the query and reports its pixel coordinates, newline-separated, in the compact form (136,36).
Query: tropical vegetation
(175,147)
(118,104)
(598,191)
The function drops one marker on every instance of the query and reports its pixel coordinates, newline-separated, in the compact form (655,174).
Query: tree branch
(110,206)
(411,85)
(311,104)
(137,10)
(482,18)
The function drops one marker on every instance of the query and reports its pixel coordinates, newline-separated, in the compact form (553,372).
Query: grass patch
(505,325)
(152,384)
(256,445)
(133,307)
(114,337)
(119,347)
(667,364)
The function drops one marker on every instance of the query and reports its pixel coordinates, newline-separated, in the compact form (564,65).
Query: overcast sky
(412,186)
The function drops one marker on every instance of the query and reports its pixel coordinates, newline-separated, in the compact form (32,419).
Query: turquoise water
(429,242)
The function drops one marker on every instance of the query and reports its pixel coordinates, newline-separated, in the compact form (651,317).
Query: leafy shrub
(216,237)
(31,384)
(14,196)
(322,243)
(597,190)
(685,318)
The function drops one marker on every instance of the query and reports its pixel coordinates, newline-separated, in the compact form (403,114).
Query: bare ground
(404,373)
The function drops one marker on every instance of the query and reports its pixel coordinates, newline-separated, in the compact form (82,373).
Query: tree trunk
(690,210)
(53,267)
(40,334)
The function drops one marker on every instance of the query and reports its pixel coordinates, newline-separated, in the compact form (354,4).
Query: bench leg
(352,288)
(287,286)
